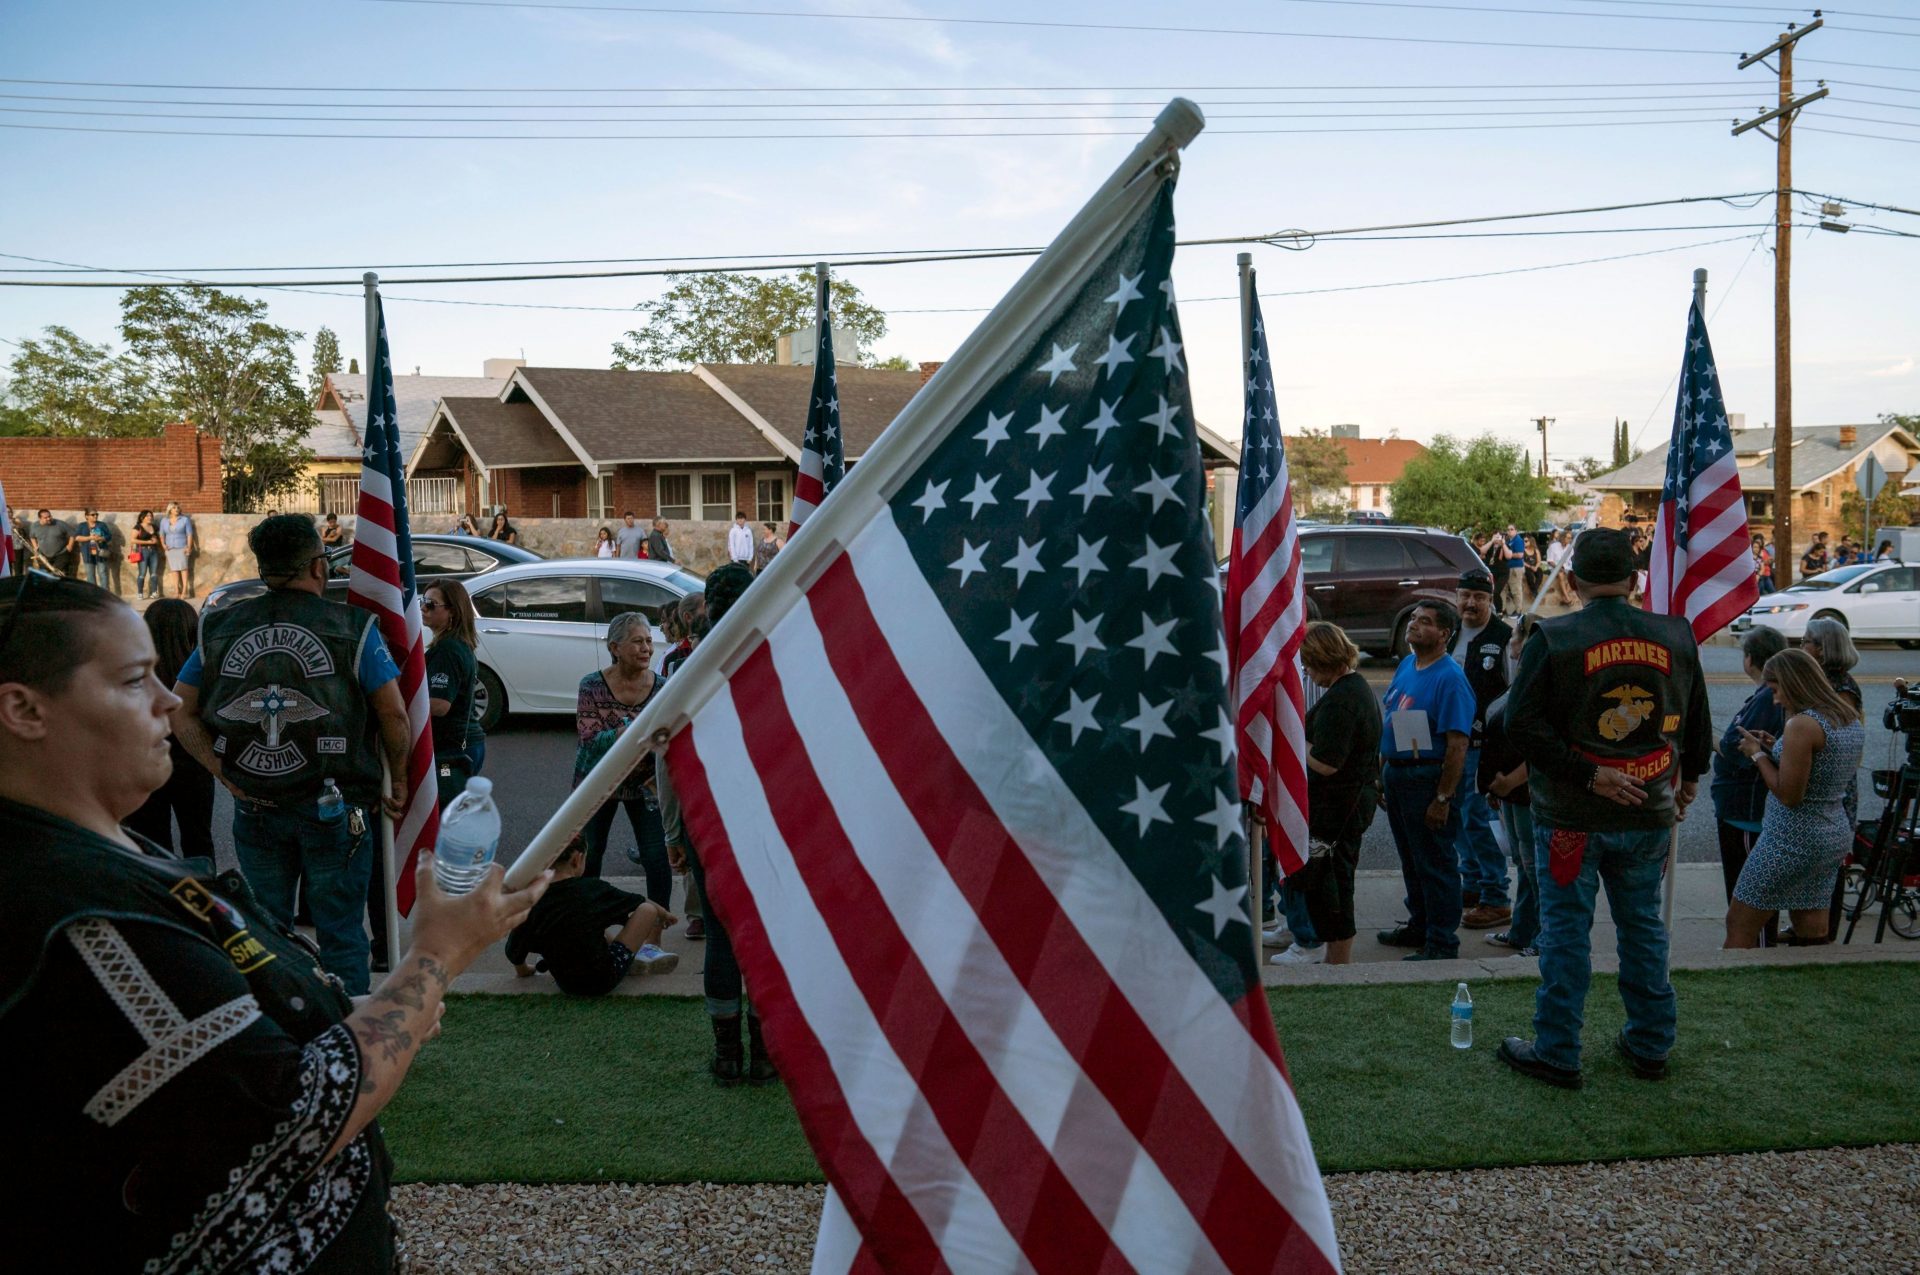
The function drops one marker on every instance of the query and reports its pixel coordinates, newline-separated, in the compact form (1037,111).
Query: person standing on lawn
(1609,708)
(1428,719)
(288,694)
(724,987)
(1480,649)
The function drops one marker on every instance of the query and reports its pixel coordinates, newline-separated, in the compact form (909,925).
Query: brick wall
(114,473)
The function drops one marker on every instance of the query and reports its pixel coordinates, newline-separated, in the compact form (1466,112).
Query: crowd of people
(1585,736)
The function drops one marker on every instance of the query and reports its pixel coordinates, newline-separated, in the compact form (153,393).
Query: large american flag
(382,582)
(823,460)
(1702,561)
(1266,620)
(969,811)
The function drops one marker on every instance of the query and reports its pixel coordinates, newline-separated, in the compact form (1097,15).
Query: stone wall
(223,554)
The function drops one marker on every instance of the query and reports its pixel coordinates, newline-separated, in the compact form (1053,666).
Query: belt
(1412,761)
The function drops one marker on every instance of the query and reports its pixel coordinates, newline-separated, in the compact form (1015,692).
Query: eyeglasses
(430,605)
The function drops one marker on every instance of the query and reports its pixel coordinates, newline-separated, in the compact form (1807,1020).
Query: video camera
(1903,714)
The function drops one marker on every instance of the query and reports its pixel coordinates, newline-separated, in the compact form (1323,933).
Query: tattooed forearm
(436,971)
(410,991)
(387,1031)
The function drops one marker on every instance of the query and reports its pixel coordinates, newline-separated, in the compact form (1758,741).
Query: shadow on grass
(546,1089)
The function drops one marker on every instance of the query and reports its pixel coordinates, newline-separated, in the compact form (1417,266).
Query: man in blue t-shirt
(1428,711)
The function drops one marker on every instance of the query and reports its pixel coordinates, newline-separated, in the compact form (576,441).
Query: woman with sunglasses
(191,1091)
(459,745)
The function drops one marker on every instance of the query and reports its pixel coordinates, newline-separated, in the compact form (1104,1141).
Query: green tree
(1485,483)
(738,318)
(60,384)
(326,358)
(1318,467)
(895,363)
(1588,468)
(216,360)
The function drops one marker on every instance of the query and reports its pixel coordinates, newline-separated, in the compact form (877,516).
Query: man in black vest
(1609,709)
(289,700)
(1480,648)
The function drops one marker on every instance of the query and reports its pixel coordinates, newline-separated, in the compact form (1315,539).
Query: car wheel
(1831,615)
(1398,646)
(489,700)
(1910,644)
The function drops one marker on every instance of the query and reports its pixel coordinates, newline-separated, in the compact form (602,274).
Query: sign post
(1871,478)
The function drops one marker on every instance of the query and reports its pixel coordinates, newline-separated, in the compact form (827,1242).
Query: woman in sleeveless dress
(1806,830)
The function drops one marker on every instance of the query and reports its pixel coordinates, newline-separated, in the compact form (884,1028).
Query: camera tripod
(1893,845)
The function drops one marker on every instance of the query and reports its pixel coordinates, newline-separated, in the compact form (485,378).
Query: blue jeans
(146,573)
(279,845)
(97,573)
(1293,904)
(1517,819)
(1483,869)
(1429,861)
(1631,865)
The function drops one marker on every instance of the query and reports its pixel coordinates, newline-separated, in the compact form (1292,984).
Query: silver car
(543,626)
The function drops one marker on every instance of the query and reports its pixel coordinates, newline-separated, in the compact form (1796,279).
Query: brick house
(331,483)
(1826,459)
(182,464)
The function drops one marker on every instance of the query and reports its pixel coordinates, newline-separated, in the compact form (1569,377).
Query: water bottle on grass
(1462,1017)
(469,835)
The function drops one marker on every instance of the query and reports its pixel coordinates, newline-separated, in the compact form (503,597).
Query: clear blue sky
(1583,344)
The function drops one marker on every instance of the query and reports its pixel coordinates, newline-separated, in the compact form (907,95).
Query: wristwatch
(1443,798)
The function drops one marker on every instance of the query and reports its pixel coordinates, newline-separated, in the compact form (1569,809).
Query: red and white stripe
(809,488)
(1712,581)
(1266,621)
(1002,1054)
(376,583)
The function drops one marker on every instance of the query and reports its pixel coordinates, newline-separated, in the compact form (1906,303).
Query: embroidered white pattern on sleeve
(174,1042)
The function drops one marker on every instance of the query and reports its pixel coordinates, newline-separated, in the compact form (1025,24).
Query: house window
(676,493)
(770,498)
(600,496)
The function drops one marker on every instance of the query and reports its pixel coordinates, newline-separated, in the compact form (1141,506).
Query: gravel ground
(1837,1210)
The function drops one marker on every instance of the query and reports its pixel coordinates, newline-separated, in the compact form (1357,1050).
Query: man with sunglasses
(290,701)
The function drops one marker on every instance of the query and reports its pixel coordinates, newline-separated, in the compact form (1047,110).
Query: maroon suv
(1367,579)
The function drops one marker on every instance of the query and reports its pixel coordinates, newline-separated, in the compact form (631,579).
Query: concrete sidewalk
(1699,908)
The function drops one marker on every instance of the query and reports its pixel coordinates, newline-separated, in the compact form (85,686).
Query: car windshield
(688,581)
(1831,579)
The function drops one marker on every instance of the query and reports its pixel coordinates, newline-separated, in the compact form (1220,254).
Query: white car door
(1886,604)
(535,632)
(622,593)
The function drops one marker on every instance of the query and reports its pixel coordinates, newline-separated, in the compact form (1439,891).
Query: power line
(898,88)
(848,119)
(788,260)
(1046,24)
(1844,132)
(1725,293)
(737,137)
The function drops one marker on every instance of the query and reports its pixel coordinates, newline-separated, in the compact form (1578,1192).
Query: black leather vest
(280,693)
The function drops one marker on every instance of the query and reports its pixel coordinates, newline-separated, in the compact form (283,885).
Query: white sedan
(543,626)
(1874,600)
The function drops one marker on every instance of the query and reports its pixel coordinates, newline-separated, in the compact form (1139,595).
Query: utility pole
(1782,281)
(1540,423)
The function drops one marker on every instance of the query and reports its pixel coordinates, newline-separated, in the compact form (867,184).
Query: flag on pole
(823,460)
(1266,621)
(382,582)
(1702,558)
(6,536)
(966,803)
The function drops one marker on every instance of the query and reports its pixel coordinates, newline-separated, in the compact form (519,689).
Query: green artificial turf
(544,1089)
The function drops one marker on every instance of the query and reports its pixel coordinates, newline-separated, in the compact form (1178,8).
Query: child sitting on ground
(590,934)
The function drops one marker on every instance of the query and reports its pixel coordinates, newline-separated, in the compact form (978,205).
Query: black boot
(760,1068)
(726,1051)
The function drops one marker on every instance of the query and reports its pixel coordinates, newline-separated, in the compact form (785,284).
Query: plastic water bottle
(469,835)
(333,806)
(1462,1017)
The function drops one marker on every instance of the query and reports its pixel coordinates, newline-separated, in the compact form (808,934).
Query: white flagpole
(371,282)
(980,361)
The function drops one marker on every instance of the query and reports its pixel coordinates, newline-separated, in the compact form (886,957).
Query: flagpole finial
(370,278)
(1700,289)
(1180,121)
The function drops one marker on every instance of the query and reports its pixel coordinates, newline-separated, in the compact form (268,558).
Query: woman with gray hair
(610,699)
(1831,646)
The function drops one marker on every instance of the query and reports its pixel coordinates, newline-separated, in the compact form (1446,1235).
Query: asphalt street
(530,760)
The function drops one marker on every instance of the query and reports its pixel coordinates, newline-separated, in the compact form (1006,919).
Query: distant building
(1374,465)
(1826,459)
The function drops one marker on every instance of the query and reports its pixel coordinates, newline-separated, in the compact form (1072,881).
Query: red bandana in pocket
(1565,849)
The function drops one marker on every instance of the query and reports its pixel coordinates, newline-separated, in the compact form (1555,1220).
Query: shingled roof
(506,435)
(618,417)
(1818,453)
(779,395)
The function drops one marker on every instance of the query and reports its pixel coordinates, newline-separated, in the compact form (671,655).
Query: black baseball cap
(1602,556)
(1474,580)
